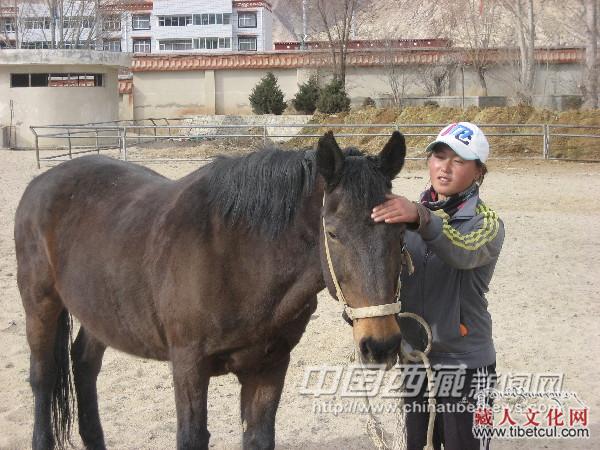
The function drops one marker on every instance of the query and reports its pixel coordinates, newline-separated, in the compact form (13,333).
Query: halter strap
(387,309)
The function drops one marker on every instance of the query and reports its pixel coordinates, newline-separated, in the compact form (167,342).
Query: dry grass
(517,146)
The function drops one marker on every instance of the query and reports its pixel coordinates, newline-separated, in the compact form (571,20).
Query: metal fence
(122,135)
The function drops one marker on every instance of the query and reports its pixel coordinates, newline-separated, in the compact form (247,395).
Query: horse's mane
(263,190)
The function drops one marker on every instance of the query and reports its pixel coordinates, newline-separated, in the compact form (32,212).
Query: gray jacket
(454,259)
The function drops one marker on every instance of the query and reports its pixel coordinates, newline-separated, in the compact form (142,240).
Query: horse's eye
(332,235)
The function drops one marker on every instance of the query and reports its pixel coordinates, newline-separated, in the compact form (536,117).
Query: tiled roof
(7,10)
(367,44)
(130,5)
(243,4)
(316,59)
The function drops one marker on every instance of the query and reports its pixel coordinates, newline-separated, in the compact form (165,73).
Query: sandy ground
(545,301)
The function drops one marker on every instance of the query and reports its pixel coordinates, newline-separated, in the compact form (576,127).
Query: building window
(56,80)
(174,21)
(247,20)
(19,80)
(35,44)
(78,23)
(111,23)
(37,23)
(140,21)
(212,19)
(175,44)
(142,46)
(70,45)
(247,43)
(113,45)
(209,43)
(224,42)
(8,25)
(39,79)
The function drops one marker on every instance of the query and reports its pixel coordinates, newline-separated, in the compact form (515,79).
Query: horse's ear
(391,158)
(330,159)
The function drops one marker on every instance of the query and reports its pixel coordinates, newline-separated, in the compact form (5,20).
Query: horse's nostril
(378,351)
(371,349)
(364,348)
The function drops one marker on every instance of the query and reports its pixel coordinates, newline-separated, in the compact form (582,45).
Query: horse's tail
(63,402)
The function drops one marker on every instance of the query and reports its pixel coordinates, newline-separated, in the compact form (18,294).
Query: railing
(120,135)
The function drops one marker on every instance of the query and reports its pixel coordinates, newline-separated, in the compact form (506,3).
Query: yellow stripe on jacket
(477,238)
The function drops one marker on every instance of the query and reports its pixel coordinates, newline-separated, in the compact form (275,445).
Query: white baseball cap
(466,139)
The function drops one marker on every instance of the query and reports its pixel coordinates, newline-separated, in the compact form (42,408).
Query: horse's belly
(252,358)
(126,324)
(268,351)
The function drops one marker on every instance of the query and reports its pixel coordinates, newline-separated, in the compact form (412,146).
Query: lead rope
(374,428)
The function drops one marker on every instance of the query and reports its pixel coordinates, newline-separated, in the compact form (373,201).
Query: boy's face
(449,173)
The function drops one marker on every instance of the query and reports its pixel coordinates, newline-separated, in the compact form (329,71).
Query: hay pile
(518,146)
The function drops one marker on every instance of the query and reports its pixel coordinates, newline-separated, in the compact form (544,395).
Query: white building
(141,26)
(43,87)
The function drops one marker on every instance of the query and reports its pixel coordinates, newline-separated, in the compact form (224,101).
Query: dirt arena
(544,299)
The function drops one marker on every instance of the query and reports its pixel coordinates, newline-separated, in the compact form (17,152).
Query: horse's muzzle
(375,351)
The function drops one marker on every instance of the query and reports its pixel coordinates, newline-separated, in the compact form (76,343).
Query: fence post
(124,142)
(264,135)
(70,149)
(546,141)
(37,150)
(97,142)
(139,130)
(154,125)
(169,129)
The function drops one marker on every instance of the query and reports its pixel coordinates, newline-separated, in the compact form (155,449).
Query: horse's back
(84,226)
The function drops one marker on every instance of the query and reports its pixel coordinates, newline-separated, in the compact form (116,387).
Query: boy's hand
(396,209)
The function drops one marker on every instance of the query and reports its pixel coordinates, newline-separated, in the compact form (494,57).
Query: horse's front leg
(261,392)
(190,378)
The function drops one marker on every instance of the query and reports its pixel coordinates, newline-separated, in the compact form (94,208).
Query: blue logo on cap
(460,132)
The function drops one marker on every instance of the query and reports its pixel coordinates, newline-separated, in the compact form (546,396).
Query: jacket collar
(467,209)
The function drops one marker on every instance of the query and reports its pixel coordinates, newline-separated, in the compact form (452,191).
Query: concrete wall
(170,94)
(374,82)
(556,79)
(126,106)
(56,105)
(233,87)
(176,94)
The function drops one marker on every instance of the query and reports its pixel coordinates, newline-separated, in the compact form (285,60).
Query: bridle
(387,309)
(374,428)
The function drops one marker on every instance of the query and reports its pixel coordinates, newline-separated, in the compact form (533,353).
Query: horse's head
(361,258)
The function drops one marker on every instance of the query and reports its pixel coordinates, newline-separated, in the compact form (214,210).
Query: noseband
(387,309)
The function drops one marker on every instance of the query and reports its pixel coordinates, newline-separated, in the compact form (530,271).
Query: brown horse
(217,272)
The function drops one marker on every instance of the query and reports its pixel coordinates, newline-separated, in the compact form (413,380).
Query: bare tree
(337,17)
(9,32)
(395,76)
(523,18)
(60,23)
(591,54)
(435,78)
(474,26)
(398,79)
